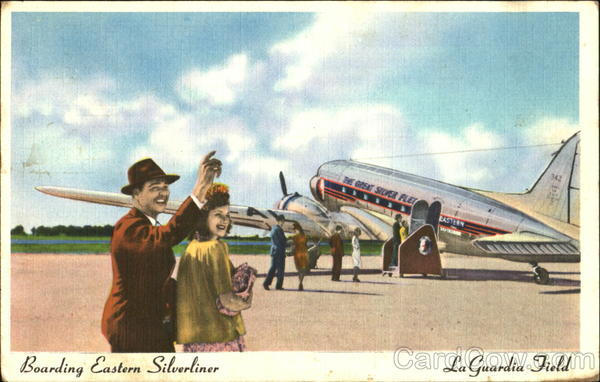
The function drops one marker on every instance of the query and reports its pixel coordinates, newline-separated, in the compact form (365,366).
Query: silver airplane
(540,225)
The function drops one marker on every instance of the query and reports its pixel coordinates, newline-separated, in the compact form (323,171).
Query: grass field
(59,237)
(368,248)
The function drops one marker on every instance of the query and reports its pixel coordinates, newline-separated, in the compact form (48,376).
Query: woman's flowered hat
(217,188)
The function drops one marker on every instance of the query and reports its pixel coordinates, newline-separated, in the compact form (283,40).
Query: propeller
(282,182)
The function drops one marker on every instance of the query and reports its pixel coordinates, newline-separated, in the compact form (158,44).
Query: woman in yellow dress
(300,253)
(204,277)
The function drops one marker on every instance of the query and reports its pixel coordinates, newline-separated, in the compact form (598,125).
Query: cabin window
(366,197)
(377,200)
(389,204)
(343,189)
(354,192)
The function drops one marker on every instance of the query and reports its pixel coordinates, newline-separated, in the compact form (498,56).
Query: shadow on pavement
(370,282)
(327,272)
(329,291)
(564,291)
(456,274)
(506,275)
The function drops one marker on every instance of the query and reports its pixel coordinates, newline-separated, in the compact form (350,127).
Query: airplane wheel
(424,274)
(541,276)
(443,275)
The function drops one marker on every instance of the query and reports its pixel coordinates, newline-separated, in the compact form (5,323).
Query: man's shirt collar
(152,220)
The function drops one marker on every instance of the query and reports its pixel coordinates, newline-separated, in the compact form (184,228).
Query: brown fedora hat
(143,171)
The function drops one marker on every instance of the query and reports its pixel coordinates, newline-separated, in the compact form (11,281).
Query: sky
(94,92)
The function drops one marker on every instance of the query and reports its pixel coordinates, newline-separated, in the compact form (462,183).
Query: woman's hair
(216,196)
(298,227)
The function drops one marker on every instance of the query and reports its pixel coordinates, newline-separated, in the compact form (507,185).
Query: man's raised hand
(210,168)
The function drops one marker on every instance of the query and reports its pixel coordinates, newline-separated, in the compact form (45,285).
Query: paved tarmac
(57,302)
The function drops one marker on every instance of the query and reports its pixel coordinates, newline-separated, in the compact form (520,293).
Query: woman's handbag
(240,298)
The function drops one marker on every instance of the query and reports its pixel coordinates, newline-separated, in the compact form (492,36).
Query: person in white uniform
(356,254)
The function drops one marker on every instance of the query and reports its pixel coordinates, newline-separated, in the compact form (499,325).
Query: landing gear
(540,275)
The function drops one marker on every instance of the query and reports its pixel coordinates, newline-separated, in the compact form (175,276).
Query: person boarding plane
(537,226)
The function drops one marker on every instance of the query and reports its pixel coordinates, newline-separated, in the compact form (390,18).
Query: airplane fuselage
(465,215)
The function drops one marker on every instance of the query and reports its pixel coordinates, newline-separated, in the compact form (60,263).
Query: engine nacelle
(316,188)
(302,205)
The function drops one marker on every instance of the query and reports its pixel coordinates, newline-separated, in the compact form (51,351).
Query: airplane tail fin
(556,192)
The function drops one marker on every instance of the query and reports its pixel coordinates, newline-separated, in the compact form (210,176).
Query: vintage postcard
(332,191)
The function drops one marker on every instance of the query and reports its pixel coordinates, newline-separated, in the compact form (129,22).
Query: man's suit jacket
(142,262)
(278,241)
(337,245)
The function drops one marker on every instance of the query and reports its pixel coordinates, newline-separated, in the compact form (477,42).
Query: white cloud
(172,140)
(468,168)
(185,138)
(64,125)
(349,50)
(550,130)
(314,136)
(379,135)
(54,148)
(181,143)
(530,162)
(305,127)
(341,131)
(239,141)
(218,85)
(258,166)
(310,48)
(53,133)
(51,96)
(89,106)
(101,110)
(506,170)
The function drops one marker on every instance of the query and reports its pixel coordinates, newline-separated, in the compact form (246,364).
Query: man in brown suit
(337,252)
(142,256)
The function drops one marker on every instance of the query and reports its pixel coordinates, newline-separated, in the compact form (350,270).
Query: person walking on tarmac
(337,252)
(356,254)
(278,244)
(300,254)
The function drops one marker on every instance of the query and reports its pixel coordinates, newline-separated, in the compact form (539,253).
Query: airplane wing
(378,226)
(528,246)
(98,197)
(240,215)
